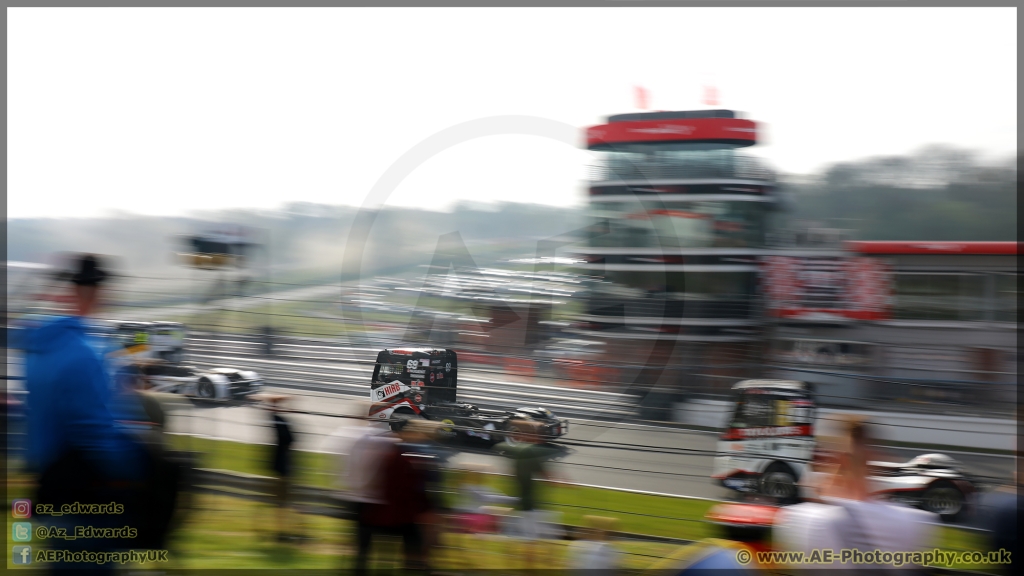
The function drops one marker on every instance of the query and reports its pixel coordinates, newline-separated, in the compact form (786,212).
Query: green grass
(231,533)
(228,532)
(637,513)
(663,516)
(311,468)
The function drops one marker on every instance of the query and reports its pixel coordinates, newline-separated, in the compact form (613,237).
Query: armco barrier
(261,488)
(701,412)
(521,367)
(957,431)
(965,432)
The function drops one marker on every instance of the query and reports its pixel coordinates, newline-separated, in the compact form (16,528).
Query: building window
(822,352)
(652,223)
(675,294)
(688,285)
(676,160)
(934,296)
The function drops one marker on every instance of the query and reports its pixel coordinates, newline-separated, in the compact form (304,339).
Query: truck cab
(406,380)
(768,443)
(410,383)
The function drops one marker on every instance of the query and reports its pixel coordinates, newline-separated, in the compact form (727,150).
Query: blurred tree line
(938,193)
(304,241)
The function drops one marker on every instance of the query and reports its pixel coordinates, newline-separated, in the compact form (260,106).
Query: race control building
(678,216)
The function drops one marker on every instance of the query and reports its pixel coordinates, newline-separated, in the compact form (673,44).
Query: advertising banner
(857,288)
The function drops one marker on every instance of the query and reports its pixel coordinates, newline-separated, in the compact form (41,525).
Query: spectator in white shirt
(847,516)
(357,446)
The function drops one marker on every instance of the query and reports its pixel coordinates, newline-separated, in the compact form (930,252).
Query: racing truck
(769,443)
(412,383)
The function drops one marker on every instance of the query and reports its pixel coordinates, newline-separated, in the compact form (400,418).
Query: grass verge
(227,532)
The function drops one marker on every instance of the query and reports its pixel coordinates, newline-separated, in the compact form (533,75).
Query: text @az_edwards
(77,508)
(84,532)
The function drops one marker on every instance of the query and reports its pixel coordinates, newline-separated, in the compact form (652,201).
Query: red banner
(821,288)
(767,432)
(743,132)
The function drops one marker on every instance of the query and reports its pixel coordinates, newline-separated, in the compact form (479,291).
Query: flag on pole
(711,96)
(641,97)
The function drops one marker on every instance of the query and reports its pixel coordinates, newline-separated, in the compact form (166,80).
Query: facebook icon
(22,555)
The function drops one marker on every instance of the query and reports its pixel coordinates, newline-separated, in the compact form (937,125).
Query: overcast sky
(165,111)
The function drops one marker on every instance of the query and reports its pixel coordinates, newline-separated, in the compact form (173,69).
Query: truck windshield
(759,410)
(752,411)
(391,370)
(793,411)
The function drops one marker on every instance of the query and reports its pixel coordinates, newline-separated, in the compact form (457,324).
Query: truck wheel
(205,389)
(510,433)
(779,482)
(400,417)
(943,498)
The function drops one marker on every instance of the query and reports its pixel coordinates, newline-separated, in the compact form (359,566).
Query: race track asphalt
(631,456)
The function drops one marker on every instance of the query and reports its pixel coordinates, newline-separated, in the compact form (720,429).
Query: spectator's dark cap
(86,271)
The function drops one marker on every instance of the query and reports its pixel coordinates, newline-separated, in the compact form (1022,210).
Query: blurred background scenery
(724,264)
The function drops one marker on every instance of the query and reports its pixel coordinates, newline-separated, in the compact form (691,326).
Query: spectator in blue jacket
(74,443)
(70,391)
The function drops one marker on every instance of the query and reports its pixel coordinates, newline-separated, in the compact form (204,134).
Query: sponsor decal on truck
(388,391)
(767,432)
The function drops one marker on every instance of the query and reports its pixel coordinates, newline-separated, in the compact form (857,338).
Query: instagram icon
(21,508)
